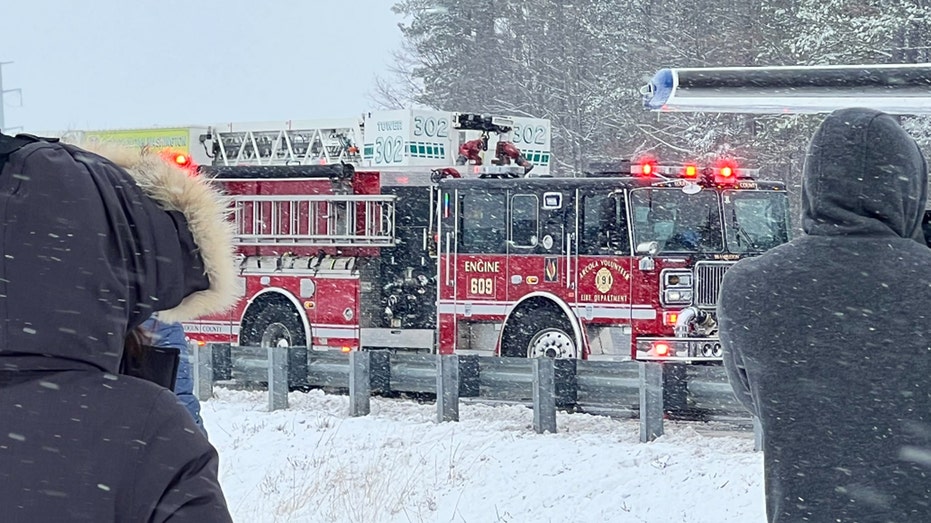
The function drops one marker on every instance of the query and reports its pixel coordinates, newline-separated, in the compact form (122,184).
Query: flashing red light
(178,159)
(661,349)
(183,160)
(727,171)
(646,169)
(690,171)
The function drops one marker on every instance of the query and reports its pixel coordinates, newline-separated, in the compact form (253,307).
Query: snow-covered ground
(313,463)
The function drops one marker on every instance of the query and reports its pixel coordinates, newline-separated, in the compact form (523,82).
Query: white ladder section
(315,221)
(297,143)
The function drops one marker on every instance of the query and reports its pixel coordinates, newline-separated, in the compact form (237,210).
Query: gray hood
(864,175)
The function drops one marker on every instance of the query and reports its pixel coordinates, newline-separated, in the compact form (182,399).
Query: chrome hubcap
(551,343)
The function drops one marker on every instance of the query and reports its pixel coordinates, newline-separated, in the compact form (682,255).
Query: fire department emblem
(603,280)
(551,270)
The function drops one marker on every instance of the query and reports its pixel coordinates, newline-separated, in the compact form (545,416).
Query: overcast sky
(103,64)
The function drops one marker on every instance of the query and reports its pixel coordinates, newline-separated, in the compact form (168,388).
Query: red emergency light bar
(724,171)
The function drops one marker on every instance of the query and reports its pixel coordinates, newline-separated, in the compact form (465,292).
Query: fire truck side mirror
(647,248)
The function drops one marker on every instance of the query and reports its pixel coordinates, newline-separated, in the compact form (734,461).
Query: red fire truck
(619,264)
(385,234)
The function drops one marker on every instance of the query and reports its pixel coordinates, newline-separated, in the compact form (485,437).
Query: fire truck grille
(708,276)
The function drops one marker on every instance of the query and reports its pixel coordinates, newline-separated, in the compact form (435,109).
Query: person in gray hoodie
(92,245)
(827,339)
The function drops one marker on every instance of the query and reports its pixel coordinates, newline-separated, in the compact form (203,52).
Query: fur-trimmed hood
(95,242)
(205,212)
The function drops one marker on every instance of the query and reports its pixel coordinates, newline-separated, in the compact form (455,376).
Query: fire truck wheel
(553,339)
(277,326)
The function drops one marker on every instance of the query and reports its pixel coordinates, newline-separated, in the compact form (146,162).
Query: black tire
(535,326)
(276,323)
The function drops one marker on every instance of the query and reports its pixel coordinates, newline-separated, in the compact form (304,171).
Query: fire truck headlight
(676,287)
(677,279)
(677,296)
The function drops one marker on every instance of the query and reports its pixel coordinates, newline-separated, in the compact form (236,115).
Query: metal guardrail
(646,390)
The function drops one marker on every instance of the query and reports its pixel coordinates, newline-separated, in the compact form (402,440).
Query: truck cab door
(540,244)
(558,239)
(603,271)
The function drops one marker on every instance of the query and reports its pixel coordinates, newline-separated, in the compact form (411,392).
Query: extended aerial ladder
(288,143)
(903,89)
(383,139)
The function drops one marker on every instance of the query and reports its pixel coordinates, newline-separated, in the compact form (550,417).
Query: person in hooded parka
(827,339)
(92,246)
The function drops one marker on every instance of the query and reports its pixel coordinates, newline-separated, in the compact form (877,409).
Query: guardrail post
(360,384)
(380,371)
(544,395)
(757,434)
(675,388)
(277,378)
(447,388)
(567,383)
(651,401)
(469,376)
(202,367)
(222,361)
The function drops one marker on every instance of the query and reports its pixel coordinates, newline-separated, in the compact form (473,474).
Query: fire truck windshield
(677,221)
(755,221)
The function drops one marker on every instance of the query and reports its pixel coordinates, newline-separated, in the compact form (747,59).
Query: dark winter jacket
(90,250)
(828,338)
(171,334)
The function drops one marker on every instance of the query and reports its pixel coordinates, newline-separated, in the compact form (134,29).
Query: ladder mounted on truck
(330,220)
(288,143)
